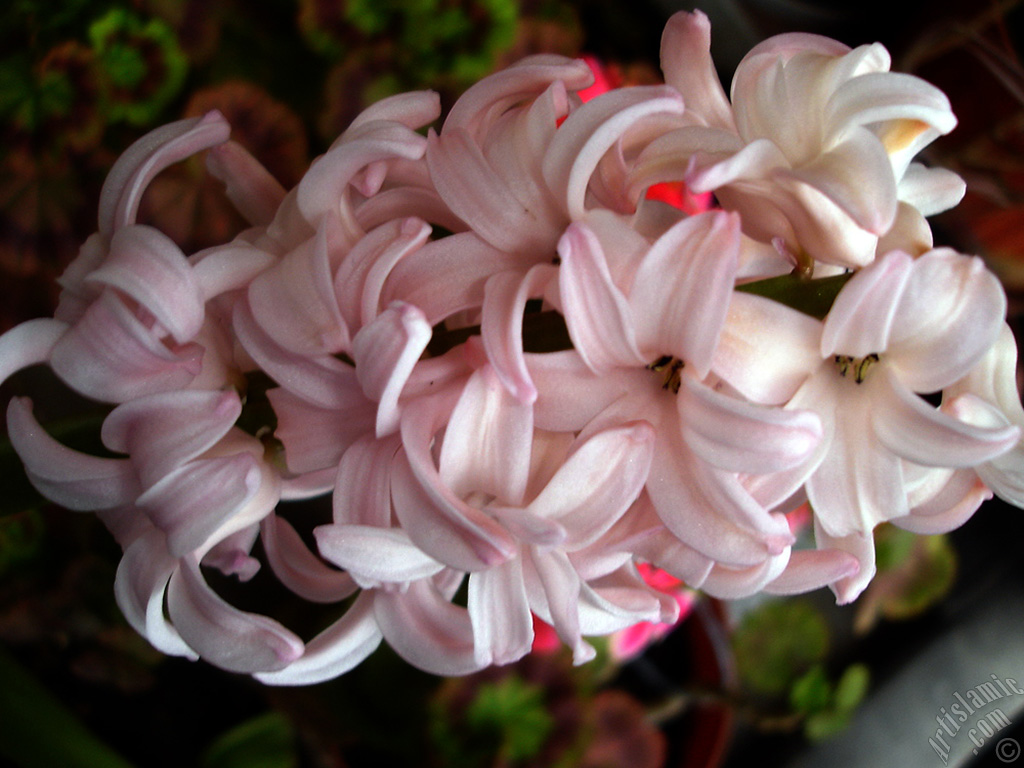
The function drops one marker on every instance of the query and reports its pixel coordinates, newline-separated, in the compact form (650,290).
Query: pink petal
(570,395)
(143,160)
(597,313)
(952,312)
(294,301)
(553,588)
(480,195)
(226,268)
(448,275)
(501,325)
(315,438)
(74,480)
(161,432)
(487,443)
(948,508)
(500,614)
(734,435)
(438,521)
(914,430)
(323,186)
(812,569)
(859,545)
(192,502)
(598,482)
(374,556)
(385,352)
(110,355)
(686,62)
(857,176)
(492,96)
(727,583)
(139,588)
(766,350)
(341,647)
(427,630)
(223,635)
(592,130)
(361,276)
(323,380)
(297,568)
(250,187)
(28,344)
(680,296)
(862,317)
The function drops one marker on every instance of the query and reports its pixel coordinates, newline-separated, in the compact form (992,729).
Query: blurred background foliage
(81,79)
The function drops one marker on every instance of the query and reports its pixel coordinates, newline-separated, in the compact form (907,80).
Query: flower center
(856,367)
(671,370)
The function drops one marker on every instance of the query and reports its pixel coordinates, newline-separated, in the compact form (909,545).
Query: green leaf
(513,710)
(892,546)
(812,297)
(811,692)
(777,643)
(38,731)
(852,687)
(823,725)
(266,741)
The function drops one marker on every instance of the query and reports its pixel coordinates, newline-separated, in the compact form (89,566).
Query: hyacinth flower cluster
(522,381)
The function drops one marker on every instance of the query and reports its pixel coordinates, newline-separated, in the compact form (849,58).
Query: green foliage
(812,297)
(21,537)
(778,642)
(266,741)
(827,708)
(142,61)
(505,722)
(37,731)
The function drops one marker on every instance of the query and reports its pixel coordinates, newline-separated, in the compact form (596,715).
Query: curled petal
(360,278)
(859,545)
(592,130)
(448,275)
(112,356)
(139,588)
(913,429)
(931,190)
(374,556)
(294,301)
(298,568)
(161,432)
(249,186)
(229,267)
(597,313)
(28,344)
(438,522)
(336,650)
(192,502)
(223,635)
(427,630)
(505,296)
(862,317)
(598,482)
(686,62)
(74,480)
(744,437)
(812,569)
(500,614)
(323,186)
(680,296)
(385,352)
(766,350)
(146,265)
(143,160)
(949,507)
(323,380)
(487,443)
